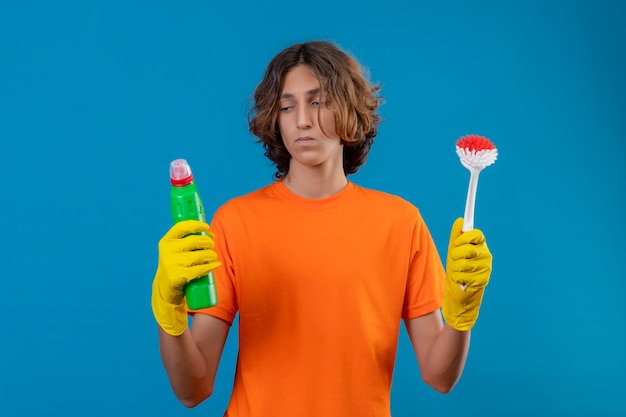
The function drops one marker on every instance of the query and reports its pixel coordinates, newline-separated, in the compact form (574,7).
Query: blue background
(96,98)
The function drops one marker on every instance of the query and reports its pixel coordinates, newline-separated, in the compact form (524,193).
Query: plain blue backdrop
(96,98)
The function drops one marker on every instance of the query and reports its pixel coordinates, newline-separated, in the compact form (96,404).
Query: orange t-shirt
(320,286)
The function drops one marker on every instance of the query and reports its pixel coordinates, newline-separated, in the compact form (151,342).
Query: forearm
(446,359)
(188,372)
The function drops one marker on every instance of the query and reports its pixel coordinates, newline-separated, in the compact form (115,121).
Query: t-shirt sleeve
(227,305)
(426,280)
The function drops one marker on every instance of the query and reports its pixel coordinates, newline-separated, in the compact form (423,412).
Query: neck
(315,182)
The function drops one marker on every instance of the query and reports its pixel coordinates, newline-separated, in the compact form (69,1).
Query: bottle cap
(180,173)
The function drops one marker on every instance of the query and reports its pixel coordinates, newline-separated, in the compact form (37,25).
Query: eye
(285,109)
(319,102)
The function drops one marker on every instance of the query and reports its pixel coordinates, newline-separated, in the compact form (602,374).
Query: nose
(305,119)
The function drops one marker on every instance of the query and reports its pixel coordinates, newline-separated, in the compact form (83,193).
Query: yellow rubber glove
(468,263)
(183,256)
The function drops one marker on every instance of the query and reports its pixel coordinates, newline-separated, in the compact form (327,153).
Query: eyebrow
(308,93)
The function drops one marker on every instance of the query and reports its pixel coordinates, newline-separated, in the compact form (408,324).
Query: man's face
(303,108)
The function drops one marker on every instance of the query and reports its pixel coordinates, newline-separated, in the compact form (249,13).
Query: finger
(198,271)
(470,266)
(474,237)
(194,242)
(469,251)
(187,244)
(470,273)
(198,257)
(457,228)
(464,252)
(455,232)
(471,280)
(187,227)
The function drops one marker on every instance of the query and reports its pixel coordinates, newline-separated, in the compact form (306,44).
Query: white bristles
(477,159)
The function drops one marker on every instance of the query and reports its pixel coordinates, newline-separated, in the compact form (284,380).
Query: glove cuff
(171,317)
(460,307)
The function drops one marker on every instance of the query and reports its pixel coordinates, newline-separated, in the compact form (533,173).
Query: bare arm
(191,359)
(441,351)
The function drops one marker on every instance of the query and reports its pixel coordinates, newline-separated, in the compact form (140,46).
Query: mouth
(305,139)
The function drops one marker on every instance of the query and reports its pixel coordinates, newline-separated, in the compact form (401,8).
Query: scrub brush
(476,152)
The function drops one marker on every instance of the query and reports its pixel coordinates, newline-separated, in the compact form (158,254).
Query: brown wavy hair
(351,96)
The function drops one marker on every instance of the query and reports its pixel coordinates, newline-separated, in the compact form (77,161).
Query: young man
(321,271)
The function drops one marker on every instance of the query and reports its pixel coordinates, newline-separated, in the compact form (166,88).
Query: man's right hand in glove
(185,253)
